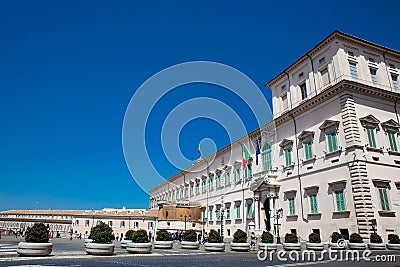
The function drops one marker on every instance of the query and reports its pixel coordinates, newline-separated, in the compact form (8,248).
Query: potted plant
(356,242)
(337,241)
(239,242)
(163,240)
(314,242)
(214,242)
(140,242)
(267,242)
(128,238)
(36,241)
(291,242)
(375,242)
(190,240)
(101,235)
(394,242)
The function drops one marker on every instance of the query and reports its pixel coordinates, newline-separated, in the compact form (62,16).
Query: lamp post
(277,216)
(185,216)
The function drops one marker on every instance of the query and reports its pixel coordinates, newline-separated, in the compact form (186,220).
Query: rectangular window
(203,186)
(383,195)
(150,225)
(340,202)
(87,223)
(217,182)
(313,204)
(122,224)
(238,211)
(303,89)
(135,225)
(353,70)
(210,184)
(292,207)
(284,102)
(325,77)
(308,150)
(77,222)
(373,76)
(249,210)
(203,215)
(236,175)
(218,213)
(332,141)
(371,137)
(227,178)
(288,156)
(393,142)
(191,190)
(228,212)
(395,83)
(110,223)
(248,172)
(210,215)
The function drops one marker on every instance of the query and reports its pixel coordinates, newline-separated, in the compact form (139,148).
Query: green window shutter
(288,156)
(308,150)
(238,211)
(392,141)
(249,210)
(332,141)
(340,202)
(218,213)
(227,178)
(210,215)
(217,182)
(292,208)
(383,194)
(371,137)
(313,204)
(228,213)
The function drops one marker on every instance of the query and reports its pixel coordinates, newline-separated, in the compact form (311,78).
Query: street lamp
(185,216)
(277,216)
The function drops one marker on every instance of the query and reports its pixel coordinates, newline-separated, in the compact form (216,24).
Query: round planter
(163,244)
(240,246)
(139,247)
(125,242)
(393,246)
(214,246)
(336,246)
(356,246)
(189,244)
(99,248)
(34,249)
(376,246)
(315,246)
(88,240)
(267,246)
(291,246)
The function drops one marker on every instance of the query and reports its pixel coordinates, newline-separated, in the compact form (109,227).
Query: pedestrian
(122,236)
(113,236)
(252,241)
(117,237)
(199,238)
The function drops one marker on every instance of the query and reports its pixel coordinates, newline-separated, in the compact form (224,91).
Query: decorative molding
(390,126)
(369,121)
(306,135)
(286,143)
(329,124)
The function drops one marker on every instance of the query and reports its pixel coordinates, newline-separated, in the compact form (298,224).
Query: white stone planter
(189,244)
(315,246)
(291,246)
(34,249)
(139,247)
(335,246)
(393,246)
(356,246)
(240,246)
(88,240)
(125,242)
(267,246)
(99,248)
(376,246)
(163,244)
(214,246)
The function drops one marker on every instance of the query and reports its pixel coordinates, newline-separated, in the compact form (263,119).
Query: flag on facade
(198,150)
(257,151)
(246,157)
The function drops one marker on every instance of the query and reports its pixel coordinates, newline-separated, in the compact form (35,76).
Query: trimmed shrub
(393,239)
(291,238)
(239,236)
(335,237)
(267,237)
(190,235)
(356,238)
(140,236)
(162,235)
(129,235)
(314,238)
(38,233)
(375,238)
(214,237)
(101,233)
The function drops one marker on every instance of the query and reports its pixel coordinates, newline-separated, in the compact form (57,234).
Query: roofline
(328,39)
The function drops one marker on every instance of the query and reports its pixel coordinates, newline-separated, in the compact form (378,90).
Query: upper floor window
(249,210)
(86,222)
(353,70)
(210,184)
(227,178)
(391,127)
(217,181)
(313,203)
(325,77)
(122,224)
(303,89)
(236,175)
(393,141)
(330,128)
(266,157)
(292,206)
(237,206)
(373,76)
(203,186)
(284,102)
(395,83)
(384,198)
(371,137)
(340,201)
(248,172)
(228,212)
(287,146)
(370,123)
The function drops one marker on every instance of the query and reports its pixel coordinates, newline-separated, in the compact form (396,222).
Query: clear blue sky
(68,70)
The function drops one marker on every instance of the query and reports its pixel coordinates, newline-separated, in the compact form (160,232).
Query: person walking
(252,241)
(122,236)
(117,237)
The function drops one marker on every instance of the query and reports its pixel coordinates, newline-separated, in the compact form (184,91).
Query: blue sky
(68,70)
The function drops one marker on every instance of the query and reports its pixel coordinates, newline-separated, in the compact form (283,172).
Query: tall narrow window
(308,153)
(340,202)
(395,83)
(248,171)
(373,76)
(331,138)
(249,210)
(203,215)
(393,142)
(313,204)
(284,102)
(210,184)
(227,178)
(217,181)
(210,215)
(266,157)
(236,175)
(371,137)
(218,213)
(384,198)
(238,211)
(325,77)
(203,186)
(288,156)
(353,70)
(303,88)
(228,212)
(292,206)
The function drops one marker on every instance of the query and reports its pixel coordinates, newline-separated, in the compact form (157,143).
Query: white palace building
(330,158)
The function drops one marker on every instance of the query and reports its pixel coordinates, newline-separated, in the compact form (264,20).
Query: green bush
(239,236)
(162,235)
(393,239)
(140,236)
(356,238)
(214,237)
(267,237)
(129,234)
(101,233)
(335,237)
(38,233)
(375,238)
(190,235)
(314,238)
(291,238)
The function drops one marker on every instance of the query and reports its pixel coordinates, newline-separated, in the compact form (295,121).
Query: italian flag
(246,156)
